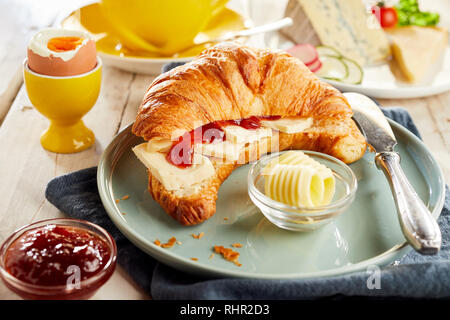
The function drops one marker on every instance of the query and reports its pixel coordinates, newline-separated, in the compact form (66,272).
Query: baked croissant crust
(231,81)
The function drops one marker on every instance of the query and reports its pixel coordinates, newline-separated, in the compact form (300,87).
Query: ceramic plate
(379,82)
(368,233)
(89,18)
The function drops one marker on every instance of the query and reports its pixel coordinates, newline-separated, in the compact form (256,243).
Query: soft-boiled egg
(61,52)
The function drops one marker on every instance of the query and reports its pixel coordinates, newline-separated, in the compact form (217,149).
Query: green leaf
(403,19)
(408,13)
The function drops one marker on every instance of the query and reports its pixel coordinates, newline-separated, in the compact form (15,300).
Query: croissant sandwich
(230,106)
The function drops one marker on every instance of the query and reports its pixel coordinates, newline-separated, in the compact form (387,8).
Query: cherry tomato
(387,16)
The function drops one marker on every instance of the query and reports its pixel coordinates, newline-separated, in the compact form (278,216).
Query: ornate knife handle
(418,225)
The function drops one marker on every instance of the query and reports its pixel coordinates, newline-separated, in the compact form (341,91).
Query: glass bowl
(86,287)
(303,218)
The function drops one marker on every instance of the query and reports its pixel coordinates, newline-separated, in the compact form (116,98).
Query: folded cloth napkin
(414,276)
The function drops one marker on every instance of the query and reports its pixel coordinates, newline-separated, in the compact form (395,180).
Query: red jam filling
(49,255)
(181,152)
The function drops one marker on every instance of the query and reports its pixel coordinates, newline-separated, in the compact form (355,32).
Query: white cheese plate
(379,82)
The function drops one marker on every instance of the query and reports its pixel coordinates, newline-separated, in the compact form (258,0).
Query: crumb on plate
(170,243)
(198,236)
(228,254)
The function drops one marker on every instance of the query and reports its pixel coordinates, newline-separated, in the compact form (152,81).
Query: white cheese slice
(238,134)
(226,150)
(159,145)
(288,125)
(173,177)
(237,138)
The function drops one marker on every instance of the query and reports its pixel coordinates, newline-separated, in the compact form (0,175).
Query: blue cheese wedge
(346,25)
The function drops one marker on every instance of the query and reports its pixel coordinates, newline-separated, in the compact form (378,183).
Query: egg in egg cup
(64,100)
(62,76)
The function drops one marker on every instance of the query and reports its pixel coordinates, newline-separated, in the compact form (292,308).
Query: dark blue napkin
(414,275)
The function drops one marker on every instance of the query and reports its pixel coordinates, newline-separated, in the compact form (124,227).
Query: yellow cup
(64,101)
(163,26)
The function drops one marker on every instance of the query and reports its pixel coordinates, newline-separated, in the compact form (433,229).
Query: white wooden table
(26,168)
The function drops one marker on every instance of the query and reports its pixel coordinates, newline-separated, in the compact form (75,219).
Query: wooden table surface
(26,168)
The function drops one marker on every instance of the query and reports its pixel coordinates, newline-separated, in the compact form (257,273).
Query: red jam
(49,255)
(181,153)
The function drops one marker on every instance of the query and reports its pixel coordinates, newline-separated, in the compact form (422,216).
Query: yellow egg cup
(64,101)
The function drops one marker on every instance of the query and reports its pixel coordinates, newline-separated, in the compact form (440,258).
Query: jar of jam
(57,259)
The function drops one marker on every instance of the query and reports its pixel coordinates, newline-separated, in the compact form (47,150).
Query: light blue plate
(368,233)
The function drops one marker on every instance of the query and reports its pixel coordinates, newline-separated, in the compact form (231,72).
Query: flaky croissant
(231,81)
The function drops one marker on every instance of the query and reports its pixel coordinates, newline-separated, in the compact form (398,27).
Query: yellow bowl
(64,101)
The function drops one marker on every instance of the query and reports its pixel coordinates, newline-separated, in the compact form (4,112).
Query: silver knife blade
(376,128)
(417,223)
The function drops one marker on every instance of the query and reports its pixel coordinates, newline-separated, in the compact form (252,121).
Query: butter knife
(418,225)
